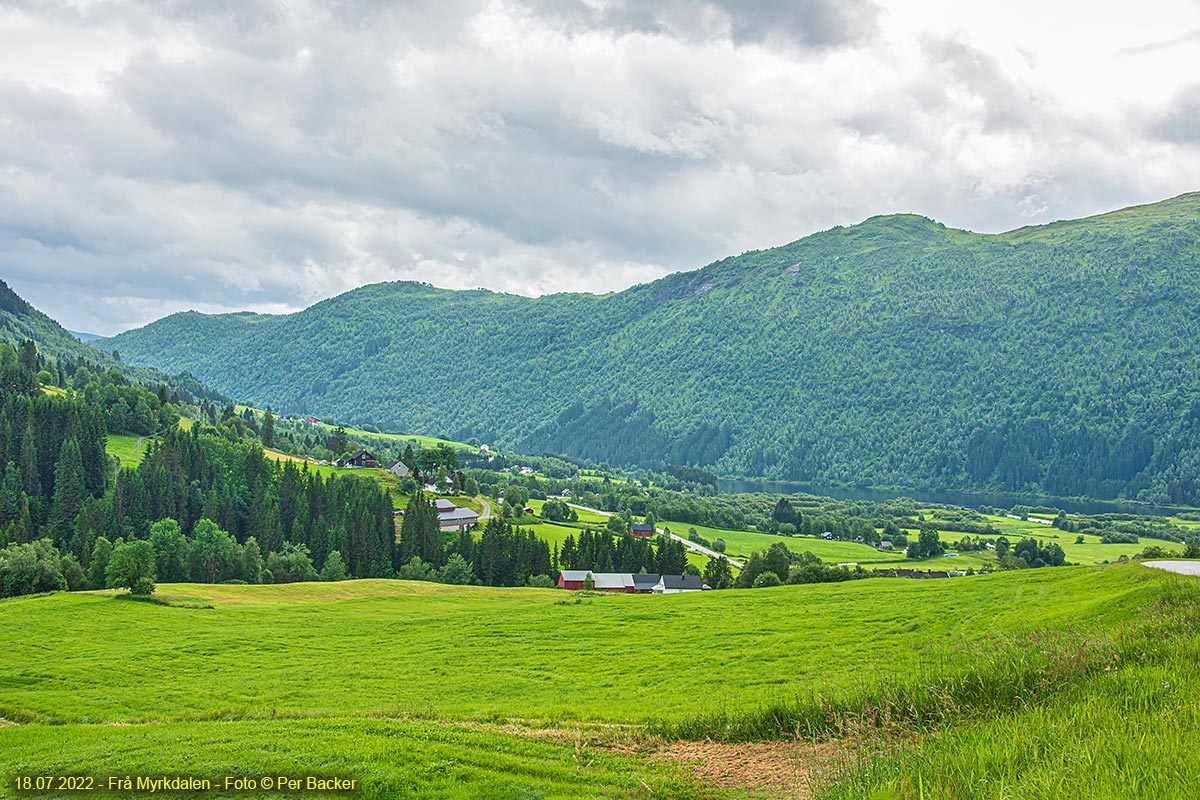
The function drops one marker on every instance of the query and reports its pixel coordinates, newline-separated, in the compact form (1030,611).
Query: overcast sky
(263,155)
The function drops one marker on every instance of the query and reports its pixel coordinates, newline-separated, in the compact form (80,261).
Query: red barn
(573,578)
(643,529)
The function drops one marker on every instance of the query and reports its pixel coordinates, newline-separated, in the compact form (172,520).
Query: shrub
(30,568)
(132,567)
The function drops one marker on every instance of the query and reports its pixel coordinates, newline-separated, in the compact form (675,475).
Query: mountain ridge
(20,320)
(893,352)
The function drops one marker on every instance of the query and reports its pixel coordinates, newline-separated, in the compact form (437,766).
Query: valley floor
(1068,682)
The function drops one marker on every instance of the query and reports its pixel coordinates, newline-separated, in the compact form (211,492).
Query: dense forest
(205,503)
(1057,359)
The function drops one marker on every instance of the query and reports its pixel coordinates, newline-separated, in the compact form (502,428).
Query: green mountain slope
(1061,358)
(20,321)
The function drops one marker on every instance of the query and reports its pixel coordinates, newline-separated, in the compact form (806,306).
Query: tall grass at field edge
(999,675)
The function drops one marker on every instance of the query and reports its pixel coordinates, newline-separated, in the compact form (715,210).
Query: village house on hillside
(399,469)
(362,459)
(643,529)
(674,584)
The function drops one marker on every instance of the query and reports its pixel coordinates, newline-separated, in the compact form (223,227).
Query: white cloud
(264,155)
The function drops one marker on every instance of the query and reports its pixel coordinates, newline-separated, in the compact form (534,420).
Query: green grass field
(740,544)
(1090,552)
(589,517)
(434,690)
(126,449)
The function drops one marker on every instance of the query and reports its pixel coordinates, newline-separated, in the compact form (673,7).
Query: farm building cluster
(630,583)
(455,518)
(451,517)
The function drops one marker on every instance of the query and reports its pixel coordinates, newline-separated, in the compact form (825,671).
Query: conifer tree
(29,460)
(268,429)
(69,490)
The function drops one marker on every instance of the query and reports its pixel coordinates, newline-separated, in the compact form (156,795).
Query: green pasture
(428,690)
(126,449)
(125,446)
(1090,552)
(390,757)
(1102,716)
(588,517)
(740,544)
(475,652)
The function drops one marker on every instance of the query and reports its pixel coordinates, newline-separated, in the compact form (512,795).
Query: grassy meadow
(740,544)
(126,449)
(427,690)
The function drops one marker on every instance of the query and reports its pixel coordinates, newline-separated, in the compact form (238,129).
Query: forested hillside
(1058,359)
(204,504)
(20,322)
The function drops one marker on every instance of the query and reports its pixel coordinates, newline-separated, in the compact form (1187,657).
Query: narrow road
(1182,567)
(688,543)
(487,509)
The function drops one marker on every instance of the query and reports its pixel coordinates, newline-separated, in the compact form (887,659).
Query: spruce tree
(268,429)
(69,490)
(29,460)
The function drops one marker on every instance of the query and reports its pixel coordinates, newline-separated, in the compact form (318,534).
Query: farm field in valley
(739,544)
(406,684)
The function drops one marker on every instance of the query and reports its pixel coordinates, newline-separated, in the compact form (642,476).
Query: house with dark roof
(644,582)
(674,584)
(362,459)
(643,529)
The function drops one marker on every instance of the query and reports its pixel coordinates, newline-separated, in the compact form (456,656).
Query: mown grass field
(427,690)
(589,517)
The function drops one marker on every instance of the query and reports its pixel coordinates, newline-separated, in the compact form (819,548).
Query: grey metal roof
(575,574)
(682,582)
(611,580)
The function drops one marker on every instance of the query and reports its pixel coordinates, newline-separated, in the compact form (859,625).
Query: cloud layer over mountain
(264,155)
